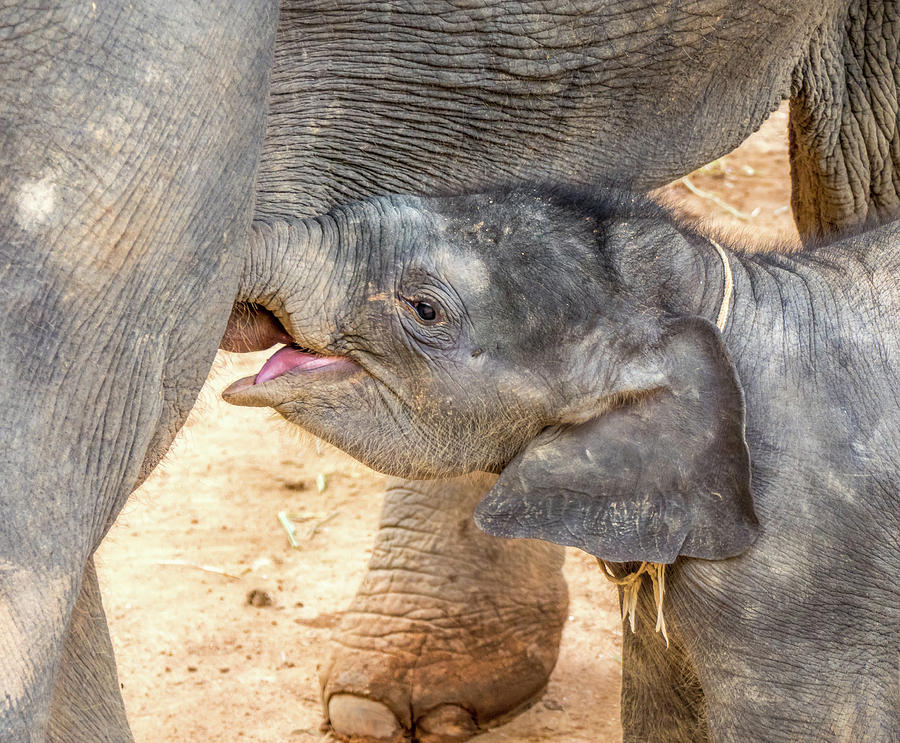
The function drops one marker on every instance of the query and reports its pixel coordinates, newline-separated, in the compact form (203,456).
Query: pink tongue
(290,358)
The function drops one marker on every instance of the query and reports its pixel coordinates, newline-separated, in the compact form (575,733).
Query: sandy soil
(198,662)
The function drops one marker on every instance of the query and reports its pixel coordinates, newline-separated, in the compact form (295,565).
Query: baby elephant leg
(662,700)
(451,630)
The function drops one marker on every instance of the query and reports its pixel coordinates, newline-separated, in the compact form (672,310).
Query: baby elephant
(567,340)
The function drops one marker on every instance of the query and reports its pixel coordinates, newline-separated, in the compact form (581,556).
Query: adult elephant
(129,140)
(132,135)
(441,638)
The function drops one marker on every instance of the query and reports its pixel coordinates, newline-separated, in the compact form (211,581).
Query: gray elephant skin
(564,340)
(140,140)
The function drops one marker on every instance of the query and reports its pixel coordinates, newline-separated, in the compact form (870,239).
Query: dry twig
(715,199)
(195,566)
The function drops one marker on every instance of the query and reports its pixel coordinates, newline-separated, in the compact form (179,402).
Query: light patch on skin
(458,270)
(466,271)
(36,203)
(112,131)
(152,74)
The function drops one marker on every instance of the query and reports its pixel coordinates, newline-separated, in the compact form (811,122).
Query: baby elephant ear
(666,474)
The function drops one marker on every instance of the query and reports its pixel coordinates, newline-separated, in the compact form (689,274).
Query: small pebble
(259,597)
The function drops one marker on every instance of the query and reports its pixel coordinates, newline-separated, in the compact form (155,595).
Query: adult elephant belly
(439,96)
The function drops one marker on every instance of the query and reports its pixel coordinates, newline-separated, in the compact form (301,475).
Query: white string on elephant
(728,290)
(631,582)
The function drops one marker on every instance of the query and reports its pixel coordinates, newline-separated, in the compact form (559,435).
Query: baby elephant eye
(427,311)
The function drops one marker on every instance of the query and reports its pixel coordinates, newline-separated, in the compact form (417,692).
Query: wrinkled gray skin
(120,245)
(568,344)
(131,135)
(647,95)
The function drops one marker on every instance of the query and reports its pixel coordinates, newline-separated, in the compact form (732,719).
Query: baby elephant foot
(451,631)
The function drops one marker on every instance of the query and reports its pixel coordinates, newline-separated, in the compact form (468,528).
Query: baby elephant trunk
(296,283)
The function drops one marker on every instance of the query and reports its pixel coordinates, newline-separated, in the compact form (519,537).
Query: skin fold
(577,359)
(145,146)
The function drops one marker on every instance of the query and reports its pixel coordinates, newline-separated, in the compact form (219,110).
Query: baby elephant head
(534,334)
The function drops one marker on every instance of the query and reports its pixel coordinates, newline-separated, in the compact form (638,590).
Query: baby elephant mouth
(295,358)
(256,329)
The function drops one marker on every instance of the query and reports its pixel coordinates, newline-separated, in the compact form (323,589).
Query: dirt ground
(198,663)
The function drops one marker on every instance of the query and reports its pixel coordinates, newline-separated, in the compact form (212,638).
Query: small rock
(259,597)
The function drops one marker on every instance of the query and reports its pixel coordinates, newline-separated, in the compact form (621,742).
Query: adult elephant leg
(451,630)
(845,122)
(87,703)
(129,142)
